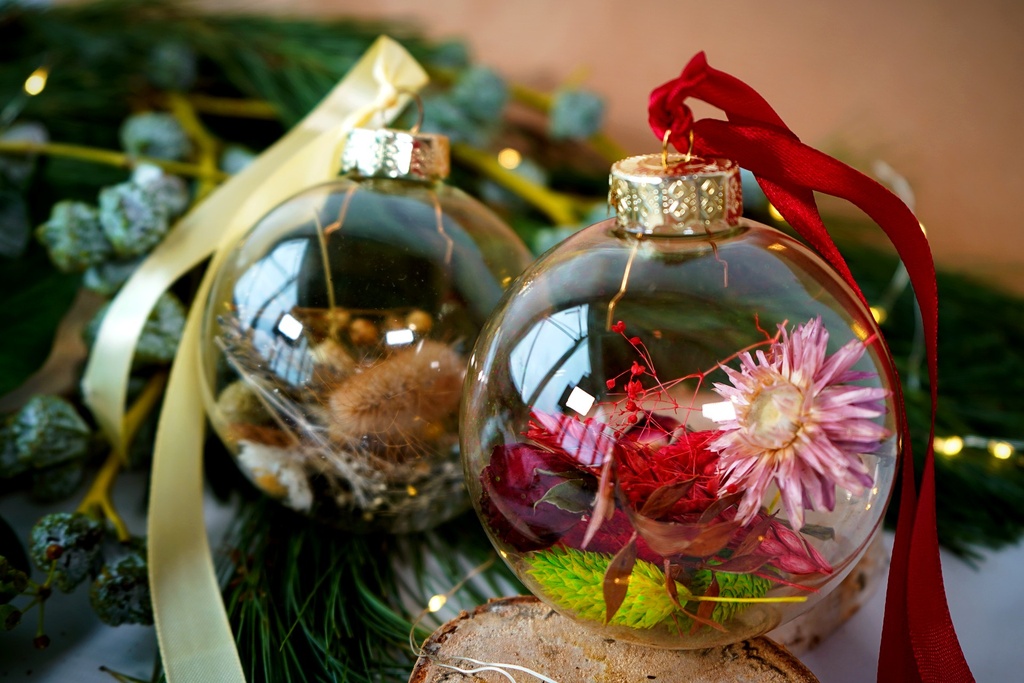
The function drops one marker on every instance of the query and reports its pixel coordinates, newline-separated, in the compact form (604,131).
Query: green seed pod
(575,115)
(133,219)
(160,335)
(71,540)
(120,594)
(168,191)
(73,237)
(49,431)
(155,134)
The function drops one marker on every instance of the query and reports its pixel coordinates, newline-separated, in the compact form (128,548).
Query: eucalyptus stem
(108,157)
(98,500)
(560,208)
(233,107)
(206,144)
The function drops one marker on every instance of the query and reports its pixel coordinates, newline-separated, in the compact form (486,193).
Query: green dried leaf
(574,580)
(571,495)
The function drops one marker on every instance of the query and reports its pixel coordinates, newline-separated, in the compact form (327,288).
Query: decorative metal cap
(670,195)
(387,153)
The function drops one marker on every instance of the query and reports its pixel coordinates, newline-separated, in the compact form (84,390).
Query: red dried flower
(515,482)
(643,469)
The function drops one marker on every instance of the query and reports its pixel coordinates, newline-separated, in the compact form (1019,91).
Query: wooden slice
(523,631)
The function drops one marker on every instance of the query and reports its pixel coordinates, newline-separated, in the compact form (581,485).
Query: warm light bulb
(436,602)
(509,158)
(949,446)
(1001,449)
(35,83)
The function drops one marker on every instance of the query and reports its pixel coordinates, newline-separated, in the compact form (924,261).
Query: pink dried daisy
(799,424)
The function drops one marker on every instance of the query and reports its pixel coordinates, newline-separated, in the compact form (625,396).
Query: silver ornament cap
(672,194)
(398,154)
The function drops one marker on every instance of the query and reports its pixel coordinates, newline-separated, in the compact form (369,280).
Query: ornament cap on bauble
(397,154)
(673,194)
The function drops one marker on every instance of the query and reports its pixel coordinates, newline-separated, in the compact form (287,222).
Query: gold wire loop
(419,110)
(664,148)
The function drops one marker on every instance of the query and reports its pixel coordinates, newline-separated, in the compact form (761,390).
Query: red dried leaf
(706,609)
(712,539)
(616,578)
(720,506)
(604,503)
(663,498)
(696,540)
(670,586)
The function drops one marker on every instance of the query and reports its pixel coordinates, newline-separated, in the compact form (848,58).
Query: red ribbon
(919,644)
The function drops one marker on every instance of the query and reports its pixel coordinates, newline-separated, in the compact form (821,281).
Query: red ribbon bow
(919,643)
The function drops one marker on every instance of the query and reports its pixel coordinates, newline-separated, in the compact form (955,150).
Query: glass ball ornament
(337,332)
(678,425)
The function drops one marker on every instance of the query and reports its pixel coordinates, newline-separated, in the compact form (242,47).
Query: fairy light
(1001,449)
(951,445)
(436,602)
(411,490)
(509,158)
(879,314)
(36,81)
(774,213)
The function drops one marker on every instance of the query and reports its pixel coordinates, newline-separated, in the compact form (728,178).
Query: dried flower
(277,472)
(643,472)
(799,424)
(791,552)
(522,500)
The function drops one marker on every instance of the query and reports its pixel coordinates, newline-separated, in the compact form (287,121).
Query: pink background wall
(933,87)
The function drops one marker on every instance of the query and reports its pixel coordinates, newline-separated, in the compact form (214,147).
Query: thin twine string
(497,667)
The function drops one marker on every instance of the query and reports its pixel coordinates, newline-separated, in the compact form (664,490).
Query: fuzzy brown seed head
(419,321)
(363,332)
(398,399)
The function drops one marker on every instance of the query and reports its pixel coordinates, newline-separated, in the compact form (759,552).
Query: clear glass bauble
(613,458)
(335,346)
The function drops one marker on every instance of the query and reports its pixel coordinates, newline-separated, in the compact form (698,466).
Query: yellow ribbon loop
(192,625)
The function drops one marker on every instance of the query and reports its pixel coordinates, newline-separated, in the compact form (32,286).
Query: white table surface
(987,605)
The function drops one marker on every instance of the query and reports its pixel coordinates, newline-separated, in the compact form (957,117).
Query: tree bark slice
(525,632)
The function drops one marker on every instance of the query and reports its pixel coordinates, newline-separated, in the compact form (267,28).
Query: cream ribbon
(192,625)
